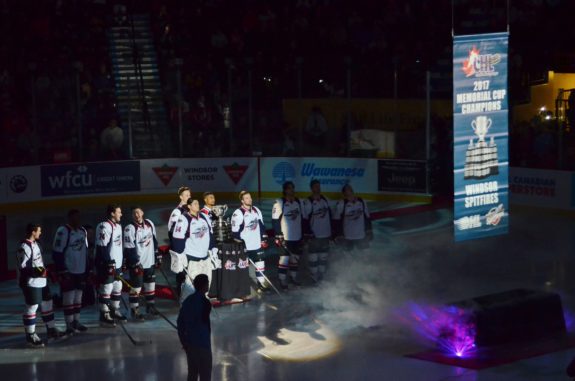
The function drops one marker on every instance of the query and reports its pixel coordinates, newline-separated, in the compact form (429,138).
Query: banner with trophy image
(480,136)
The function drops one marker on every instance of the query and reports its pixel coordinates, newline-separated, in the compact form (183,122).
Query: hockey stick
(130,337)
(290,253)
(147,304)
(266,278)
(137,343)
(163,316)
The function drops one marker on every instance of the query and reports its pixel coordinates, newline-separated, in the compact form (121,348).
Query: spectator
(111,140)
(316,129)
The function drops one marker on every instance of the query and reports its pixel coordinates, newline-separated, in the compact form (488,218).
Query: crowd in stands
(54,64)
(239,61)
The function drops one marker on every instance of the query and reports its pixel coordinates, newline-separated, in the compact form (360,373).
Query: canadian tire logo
(165,173)
(235,171)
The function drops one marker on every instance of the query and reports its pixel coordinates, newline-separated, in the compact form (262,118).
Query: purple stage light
(569,320)
(449,328)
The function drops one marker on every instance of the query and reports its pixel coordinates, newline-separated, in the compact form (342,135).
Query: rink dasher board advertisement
(332,173)
(480,134)
(90,178)
(20,184)
(209,174)
(542,188)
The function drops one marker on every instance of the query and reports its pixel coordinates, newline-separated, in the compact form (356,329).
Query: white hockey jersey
(140,243)
(206,211)
(353,217)
(318,213)
(109,242)
(287,219)
(248,225)
(192,236)
(70,249)
(176,213)
(29,256)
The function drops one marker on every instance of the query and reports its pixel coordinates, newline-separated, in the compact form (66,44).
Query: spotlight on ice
(320,81)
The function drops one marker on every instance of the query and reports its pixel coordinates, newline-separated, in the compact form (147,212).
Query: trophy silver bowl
(221,225)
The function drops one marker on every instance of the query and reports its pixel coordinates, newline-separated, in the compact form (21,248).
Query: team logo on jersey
(165,173)
(145,241)
(321,212)
(354,214)
(77,245)
(292,214)
(200,232)
(253,225)
(235,171)
(282,172)
(18,183)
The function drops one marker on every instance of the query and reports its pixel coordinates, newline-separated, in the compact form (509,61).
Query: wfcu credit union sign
(480,136)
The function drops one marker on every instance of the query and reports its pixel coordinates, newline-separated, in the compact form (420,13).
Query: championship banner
(480,136)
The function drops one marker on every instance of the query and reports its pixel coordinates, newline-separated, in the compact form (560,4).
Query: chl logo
(165,173)
(235,171)
(480,65)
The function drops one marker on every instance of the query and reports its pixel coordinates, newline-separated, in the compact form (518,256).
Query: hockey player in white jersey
(142,258)
(207,210)
(70,255)
(352,221)
(191,247)
(32,279)
(184,193)
(318,213)
(109,261)
(289,225)
(248,227)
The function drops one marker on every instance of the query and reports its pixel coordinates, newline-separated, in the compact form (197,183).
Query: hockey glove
(138,269)
(279,240)
(158,259)
(264,243)
(39,272)
(111,268)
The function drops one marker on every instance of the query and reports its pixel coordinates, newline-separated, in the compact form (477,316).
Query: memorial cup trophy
(221,226)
